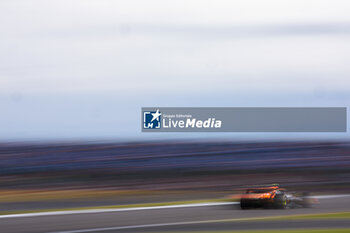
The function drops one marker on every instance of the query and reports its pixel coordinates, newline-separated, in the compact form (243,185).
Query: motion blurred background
(75,74)
(82,70)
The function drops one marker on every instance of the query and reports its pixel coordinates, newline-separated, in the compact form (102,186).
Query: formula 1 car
(274,197)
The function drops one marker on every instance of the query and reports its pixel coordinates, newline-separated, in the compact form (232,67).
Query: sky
(82,69)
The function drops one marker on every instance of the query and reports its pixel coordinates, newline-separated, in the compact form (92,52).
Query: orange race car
(273,197)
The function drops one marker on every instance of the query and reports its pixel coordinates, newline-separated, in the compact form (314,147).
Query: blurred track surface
(190,218)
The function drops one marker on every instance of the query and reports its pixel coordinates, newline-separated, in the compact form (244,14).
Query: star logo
(152,119)
(156,115)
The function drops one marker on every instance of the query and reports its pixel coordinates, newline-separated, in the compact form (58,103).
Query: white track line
(127,227)
(331,196)
(154,225)
(106,210)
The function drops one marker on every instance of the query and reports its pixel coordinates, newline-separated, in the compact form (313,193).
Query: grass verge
(331,230)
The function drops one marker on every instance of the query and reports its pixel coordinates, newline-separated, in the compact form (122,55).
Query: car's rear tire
(280,201)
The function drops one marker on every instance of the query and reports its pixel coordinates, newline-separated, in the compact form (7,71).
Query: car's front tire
(245,204)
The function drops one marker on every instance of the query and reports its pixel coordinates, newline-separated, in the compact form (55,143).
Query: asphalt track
(222,217)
